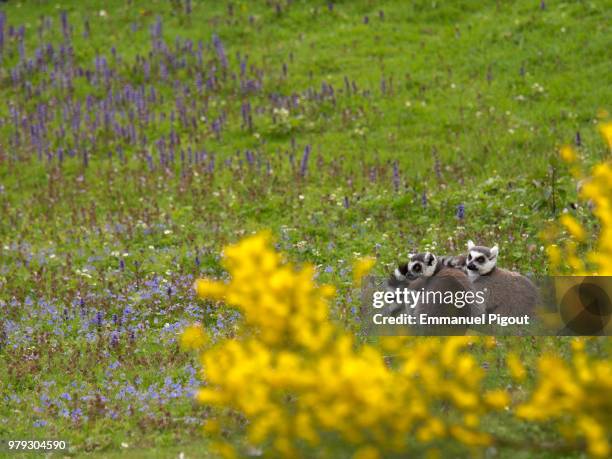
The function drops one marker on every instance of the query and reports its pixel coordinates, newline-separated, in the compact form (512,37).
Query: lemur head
(422,264)
(419,265)
(481,260)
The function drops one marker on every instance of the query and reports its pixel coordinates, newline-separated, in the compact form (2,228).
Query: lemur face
(402,274)
(422,264)
(481,260)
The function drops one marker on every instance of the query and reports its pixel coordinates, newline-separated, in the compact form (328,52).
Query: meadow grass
(407,111)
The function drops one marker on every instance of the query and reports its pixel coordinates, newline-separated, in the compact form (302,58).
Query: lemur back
(508,293)
(445,280)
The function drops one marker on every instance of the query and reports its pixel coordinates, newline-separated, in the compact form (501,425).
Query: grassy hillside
(138,138)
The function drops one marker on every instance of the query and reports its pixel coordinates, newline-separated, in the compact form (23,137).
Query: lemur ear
(400,274)
(494,251)
(471,245)
(430,258)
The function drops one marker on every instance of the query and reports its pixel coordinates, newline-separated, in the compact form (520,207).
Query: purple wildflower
(98,319)
(247,119)
(396,176)
(304,163)
(76,414)
(460,211)
(65,28)
(2,27)
(220,49)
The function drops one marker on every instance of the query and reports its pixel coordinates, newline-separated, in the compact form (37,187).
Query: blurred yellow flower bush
(595,189)
(193,338)
(576,396)
(300,380)
(296,383)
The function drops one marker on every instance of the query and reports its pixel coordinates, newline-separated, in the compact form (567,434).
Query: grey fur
(508,293)
(424,262)
(457,262)
(448,276)
(445,280)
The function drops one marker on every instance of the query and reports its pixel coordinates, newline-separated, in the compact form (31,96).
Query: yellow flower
(497,398)
(471,420)
(367,452)
(226,450)
(554,255)
(596,436)
(192,338)
(600,448)
(211,426)
(574,262)
(361,268)
(490,342)
(209,289)
(578,344)
(573,227)
(469,437)
(517,370)
(432,429)
(567,154)
(606,132)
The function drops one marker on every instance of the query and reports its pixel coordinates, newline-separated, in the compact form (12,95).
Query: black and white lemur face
(420,264)
(481,260)
(427,265)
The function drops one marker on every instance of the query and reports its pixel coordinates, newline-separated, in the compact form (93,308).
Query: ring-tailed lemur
(427,264)
(428,273)
(508,293)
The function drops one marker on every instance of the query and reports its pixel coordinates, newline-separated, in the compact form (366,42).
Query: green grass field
(130,154)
